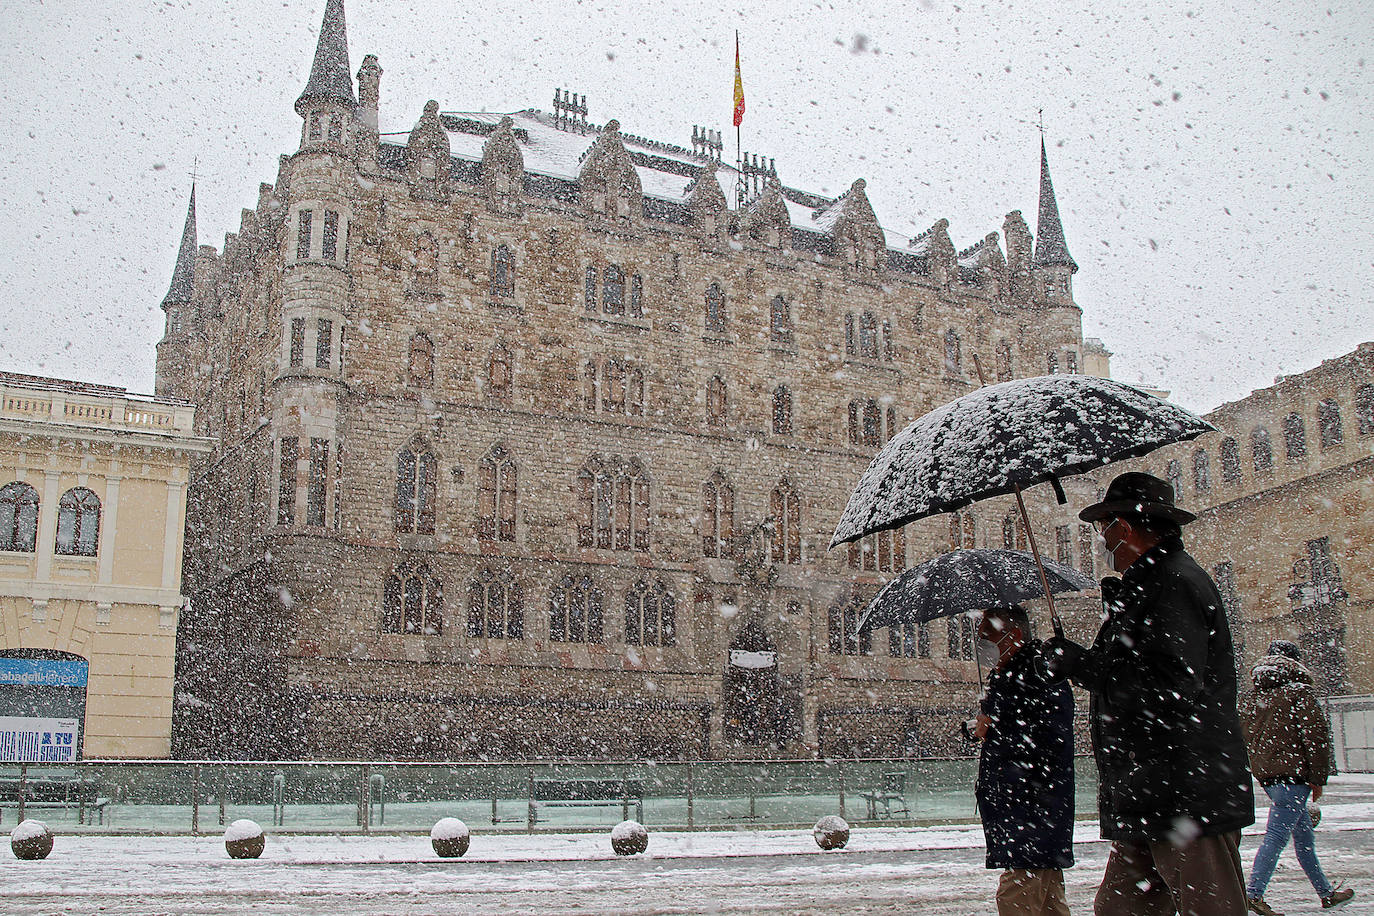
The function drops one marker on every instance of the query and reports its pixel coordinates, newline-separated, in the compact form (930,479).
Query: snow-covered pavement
(931,870)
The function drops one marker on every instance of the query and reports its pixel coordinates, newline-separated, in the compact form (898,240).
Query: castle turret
(328,106)
(1052,270)
(174,348)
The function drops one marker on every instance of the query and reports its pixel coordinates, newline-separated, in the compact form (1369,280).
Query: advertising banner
(30,740)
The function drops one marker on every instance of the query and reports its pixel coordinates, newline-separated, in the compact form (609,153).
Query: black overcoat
(1170,756)
(1025,768)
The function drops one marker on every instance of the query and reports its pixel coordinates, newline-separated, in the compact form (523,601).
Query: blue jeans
(1287,817)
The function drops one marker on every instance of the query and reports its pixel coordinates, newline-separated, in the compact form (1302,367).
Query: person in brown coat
(1290,750)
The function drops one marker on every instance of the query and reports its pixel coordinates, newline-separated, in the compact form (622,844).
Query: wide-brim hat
(1135,493)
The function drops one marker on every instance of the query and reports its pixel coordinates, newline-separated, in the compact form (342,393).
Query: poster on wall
(25,739)
(42,705)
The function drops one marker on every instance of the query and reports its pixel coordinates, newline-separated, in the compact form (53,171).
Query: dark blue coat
(1025,769)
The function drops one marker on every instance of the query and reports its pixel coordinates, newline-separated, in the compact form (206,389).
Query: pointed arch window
(1009,532)
(1364,410)
(1174,473)
(496,608)
(1329,431)
(613,505)
(575,610)
(960,633)
(785,511)
(613,390)
(496,499)
(963,530)
(613,291)
(589,293)
(1261,449)
(868,336)
(844,635)
(873,423)
(780,320)
(715,309)
(855,410)
(954,367)
(650,614)
(1230,460)
(717,516)
(589,386)
(889,345)
(637,296)
(499,374)
(416,474)
(635,395)
(421,370)
(715,401)
(1294,437)
(18,517)
(1202,471)
(851,337)
(782,411)
(413,602)
(502,272)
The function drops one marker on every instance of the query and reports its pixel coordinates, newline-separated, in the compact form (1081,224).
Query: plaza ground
(930,870)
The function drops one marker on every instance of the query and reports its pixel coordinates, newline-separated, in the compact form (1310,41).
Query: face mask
(989,654)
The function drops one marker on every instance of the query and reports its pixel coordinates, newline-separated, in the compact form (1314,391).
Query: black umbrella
(1004,438)
(966,580)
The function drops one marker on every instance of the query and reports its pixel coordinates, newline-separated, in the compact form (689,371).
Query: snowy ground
(931,870)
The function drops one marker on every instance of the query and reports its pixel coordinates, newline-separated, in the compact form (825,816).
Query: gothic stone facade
(530,444)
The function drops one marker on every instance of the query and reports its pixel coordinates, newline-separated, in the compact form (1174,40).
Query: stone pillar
(109,524)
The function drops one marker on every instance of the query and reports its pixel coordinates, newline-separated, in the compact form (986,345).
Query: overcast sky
(1212,160)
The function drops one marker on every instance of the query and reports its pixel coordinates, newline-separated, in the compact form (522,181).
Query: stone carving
(503,168)
(610,184)
(427,152)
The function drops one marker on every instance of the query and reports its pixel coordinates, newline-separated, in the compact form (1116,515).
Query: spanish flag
(739,86)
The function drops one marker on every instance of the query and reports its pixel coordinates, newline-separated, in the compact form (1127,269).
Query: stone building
(533,433)
(92,510)
(1284,494)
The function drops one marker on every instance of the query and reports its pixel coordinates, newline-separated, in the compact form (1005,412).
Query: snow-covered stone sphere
(831,832)
(243,839)
(629,838)
(31,839)
(449,837)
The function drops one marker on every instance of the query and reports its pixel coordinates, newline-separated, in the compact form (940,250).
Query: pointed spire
(329,74)
(1050,247)
(184,276)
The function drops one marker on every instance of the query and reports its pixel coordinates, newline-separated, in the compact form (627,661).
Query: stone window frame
(614,505)
(78,523)
(1330,432)
(417,476)
(716,313)
(717,516)
(649,603)
(577,610)
(500,373)
(497,495)
(1364,410)
(1229,452)
(784,505)
(1202,471)
(717,402)
(842,627)
(487,590)
(412,601)
(1294,437)
(502,272)
(782,411)
(1261,450)
(19,511)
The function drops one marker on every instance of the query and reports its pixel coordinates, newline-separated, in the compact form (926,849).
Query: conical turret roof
(329,74)
(184,276)
(1050,247)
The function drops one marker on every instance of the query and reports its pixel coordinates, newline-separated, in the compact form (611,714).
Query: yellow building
(92,509)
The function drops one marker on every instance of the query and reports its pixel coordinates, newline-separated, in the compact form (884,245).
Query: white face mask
(989,654)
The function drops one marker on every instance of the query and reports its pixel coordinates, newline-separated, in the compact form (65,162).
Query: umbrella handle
(1040,566)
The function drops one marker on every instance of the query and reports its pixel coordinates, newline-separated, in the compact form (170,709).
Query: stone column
(47,526)
(109,524)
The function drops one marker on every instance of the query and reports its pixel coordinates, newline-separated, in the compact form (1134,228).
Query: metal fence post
(365,805)
(532,815)
(691,820)
(195,799)
(841,768)
(23,778)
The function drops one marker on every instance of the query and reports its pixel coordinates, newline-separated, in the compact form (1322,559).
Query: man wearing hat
(1174,778)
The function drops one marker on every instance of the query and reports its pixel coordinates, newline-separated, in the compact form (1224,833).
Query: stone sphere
(243,839)
(831,832)
(450,838)
(629,838)
(31,839)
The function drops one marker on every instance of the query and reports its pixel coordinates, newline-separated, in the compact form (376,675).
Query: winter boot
(1337,897)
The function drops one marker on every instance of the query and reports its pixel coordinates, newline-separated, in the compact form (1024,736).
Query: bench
(566,793)
(890,793)
(46,792)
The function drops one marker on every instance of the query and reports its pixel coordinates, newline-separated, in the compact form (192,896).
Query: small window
(954,367)
(715,401)
(782,411)
(1329,424)
(613,389)
(1052,363)
(868,336)
(635,397)
(589,386)
(324,331)
(780,320)
(637,296)
(1364,409)
(1230,460)
(1202,471)
(785,509)
(902,640)
(502,273)
(873,423)
(960,633)
(18,517)
(715,309)
(335,130)
(891,422)
(317,487)
(855,409)
(889,346)
(499,374)
(286,481)
(1063,545)
(589,294)
(1087,551)
(1294,437)
(497,485)
(303,234)
(1261,449)
(1009,532)
(329,243)
(1071,362)
(845,637)
(613,293)
(78,523)
(851,337)
(316,127)
(421,361)
(297,342)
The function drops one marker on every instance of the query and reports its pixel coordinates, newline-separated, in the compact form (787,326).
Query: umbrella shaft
(1040,566)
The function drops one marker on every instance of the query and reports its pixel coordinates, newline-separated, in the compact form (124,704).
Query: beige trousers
(1031,892)
(1203,878)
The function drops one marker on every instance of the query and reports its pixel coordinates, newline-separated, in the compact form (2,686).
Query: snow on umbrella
(1004,438)
(966,580)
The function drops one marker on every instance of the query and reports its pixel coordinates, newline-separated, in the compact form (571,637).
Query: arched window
(636,393)
(502,273)
(1174,473)
(613,506)
(855,433)
(499,374)
(963,530)
(613,291)
(416,473)
(575,610)
(637,296)
(845,638)
(715,401)
(1364,409)
(413,602)
(715,309)
(891,422)
(889,345)
(613,387)
(851,337)
(496,496)
(785,509)
(953,357)
(1261,449)
(873,423)
(650,615)
(1202,471)
(868,336)
(589,294)
(717,516)
(1002,356)
(421,360)
(496,608)
(960,631)
(1294,437)
(1329,424)
(589,398)
(1230,460)
(780,320)
(782,411)
(18,517)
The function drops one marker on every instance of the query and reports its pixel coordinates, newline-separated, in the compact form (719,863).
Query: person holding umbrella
(1025,768)
(1175,786)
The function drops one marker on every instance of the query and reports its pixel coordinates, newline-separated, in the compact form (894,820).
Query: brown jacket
(1285,728)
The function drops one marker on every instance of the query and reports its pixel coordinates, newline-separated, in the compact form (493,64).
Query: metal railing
(181,797)
(1352,732)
